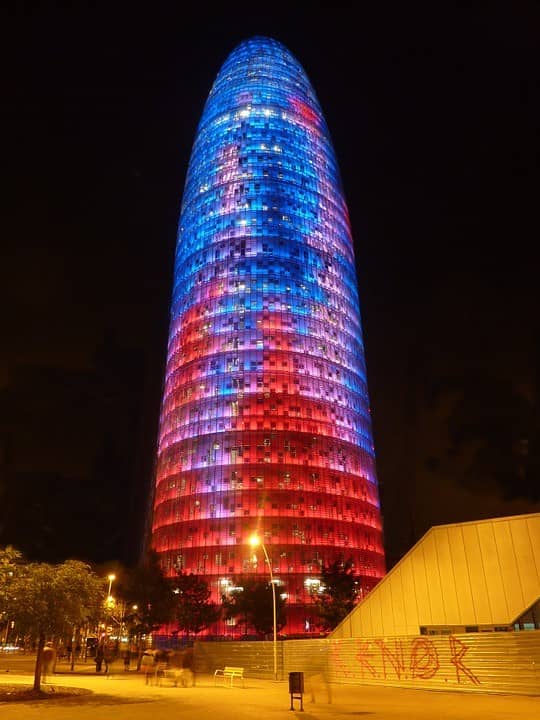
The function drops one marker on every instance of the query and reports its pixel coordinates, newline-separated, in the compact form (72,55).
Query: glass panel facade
(265,422)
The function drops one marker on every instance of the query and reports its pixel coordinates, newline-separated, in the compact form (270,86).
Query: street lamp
(110,578)
(254,540)
(109,602)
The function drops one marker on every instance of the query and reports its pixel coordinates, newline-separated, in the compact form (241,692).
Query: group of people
(104,656)
(182,661)
(152,661)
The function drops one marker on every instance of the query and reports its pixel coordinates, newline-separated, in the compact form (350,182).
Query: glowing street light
(110,578)
(108,606)
(254,541)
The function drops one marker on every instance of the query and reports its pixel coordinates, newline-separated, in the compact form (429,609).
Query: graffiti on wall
(404,659)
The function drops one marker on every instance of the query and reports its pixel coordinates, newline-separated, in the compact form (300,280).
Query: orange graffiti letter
(363,656)
(457,651)
(395,658)
(424,659)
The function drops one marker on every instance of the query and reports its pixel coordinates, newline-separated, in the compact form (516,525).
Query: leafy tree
(254,605)
(151,592)
(194,611)
(47,600)
(114,579)
(10,558)
(337,593)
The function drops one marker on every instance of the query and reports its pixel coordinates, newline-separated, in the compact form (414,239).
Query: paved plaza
(125,696)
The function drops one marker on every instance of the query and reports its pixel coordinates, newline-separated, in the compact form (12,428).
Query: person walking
(108,658)
(99,657)
(188,668)
(148,665)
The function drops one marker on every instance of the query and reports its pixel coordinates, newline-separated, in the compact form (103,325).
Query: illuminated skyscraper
(265,422)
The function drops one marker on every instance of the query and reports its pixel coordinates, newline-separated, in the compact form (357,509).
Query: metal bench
(229,672)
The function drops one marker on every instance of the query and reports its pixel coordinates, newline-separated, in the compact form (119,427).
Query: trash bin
(296,688)
(296,683)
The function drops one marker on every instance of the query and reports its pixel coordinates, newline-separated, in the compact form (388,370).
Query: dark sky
(433,111)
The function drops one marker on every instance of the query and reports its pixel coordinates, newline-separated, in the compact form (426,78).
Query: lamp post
(110,578)
(108,608)
(254,541)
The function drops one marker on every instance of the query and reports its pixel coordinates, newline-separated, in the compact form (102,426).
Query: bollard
(296,688)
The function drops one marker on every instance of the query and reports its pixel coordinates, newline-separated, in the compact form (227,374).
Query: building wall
(265,424)
(475,574)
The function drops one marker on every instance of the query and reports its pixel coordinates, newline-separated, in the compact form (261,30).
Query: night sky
(434,115)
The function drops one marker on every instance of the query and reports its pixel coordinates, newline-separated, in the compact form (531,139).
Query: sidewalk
(125,696)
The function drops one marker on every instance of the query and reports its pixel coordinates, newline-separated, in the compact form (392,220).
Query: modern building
(471,577)
(265,423)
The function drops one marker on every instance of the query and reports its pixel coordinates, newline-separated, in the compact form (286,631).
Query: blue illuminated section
(265,421)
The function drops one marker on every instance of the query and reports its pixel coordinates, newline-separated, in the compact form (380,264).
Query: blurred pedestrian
(148,665)
(109,656)
(188,668)
(317,674)
(100,656)
(48,660)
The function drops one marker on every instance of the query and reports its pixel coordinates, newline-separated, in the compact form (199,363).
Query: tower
(265,422)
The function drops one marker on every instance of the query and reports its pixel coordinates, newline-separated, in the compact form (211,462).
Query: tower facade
(265,423)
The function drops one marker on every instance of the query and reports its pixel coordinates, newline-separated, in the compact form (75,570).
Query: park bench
(229,672)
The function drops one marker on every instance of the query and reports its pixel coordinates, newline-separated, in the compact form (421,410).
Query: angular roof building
(265,423)
(478,576)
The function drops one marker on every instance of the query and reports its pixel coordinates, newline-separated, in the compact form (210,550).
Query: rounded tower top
(260,68)
(262,119)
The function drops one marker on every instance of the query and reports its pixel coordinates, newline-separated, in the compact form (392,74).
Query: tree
(10,558)
(150,595)
(337,593)
(194,611)
(46,600)
(254,605)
